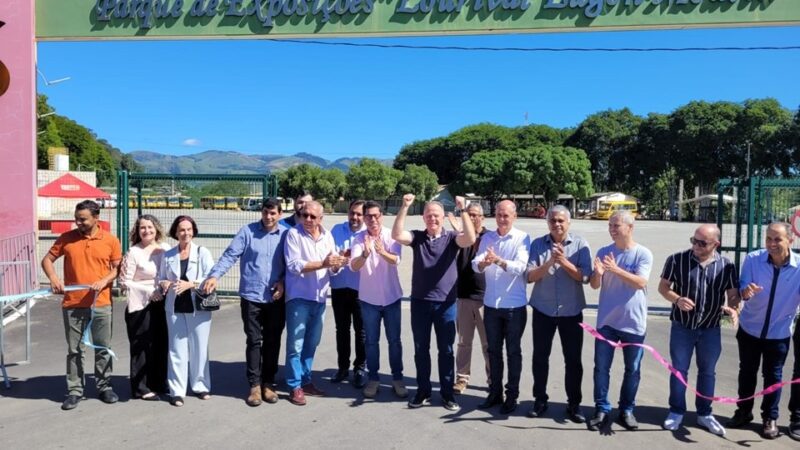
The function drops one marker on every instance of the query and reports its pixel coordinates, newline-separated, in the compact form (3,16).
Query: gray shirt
(558,294)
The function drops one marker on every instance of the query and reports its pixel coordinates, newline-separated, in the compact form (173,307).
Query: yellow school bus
(186,202)
(232,203)
(173,202)
(607,208)
(212,202)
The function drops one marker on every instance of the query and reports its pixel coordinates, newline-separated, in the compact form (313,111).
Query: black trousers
(505,325)
(794,397)
(147,334)
(263,326)
(770,354)
(346,310)
(571,334)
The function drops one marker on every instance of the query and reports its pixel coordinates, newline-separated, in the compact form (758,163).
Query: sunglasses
(698,242)
(308,216)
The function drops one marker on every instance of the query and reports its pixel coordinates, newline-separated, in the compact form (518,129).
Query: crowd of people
(463,280)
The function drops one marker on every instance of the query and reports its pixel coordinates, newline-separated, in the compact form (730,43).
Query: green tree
(371,180)
(418,180)
(330,185)
(489,174)
(297,180)
(605,136)
(762,123)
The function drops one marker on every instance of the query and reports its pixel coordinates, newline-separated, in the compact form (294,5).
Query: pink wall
(18,121)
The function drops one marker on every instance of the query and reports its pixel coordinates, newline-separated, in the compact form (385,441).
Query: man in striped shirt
(697,282)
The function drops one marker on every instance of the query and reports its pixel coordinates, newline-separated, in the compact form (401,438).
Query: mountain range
(217,161)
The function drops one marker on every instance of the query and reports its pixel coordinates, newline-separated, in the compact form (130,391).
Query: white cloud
(191,142)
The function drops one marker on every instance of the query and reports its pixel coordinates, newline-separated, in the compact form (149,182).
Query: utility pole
(748,160)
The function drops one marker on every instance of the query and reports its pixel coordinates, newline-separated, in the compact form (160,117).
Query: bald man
(697,282)
(503,257)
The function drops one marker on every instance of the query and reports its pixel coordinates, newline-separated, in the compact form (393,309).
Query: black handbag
(206,302)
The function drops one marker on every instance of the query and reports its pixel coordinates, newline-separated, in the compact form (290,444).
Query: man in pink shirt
(310,260)
(376,256)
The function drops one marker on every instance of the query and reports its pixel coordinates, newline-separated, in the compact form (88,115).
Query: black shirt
(471,285)
(183,302)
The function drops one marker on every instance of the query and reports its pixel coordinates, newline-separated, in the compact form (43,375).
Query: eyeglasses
(371,216)
(698,242)
(308,216)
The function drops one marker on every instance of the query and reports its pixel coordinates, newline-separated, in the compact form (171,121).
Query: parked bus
(212,202)
(607,208)
(173,202)
(186,202)
(232,203)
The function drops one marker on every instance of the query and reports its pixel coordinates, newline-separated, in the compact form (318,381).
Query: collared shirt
(434,274)
(558,294)
(379,283)
(302,248)
(87,259)
(622,306)
(769,313)
(705,286)
(343,237)
(289,222)
(505,288)
(262,261)
(471,284)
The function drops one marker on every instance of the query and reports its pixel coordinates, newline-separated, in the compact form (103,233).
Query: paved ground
(30,416)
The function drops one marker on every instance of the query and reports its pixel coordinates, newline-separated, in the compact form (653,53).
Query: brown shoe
(313,391)
(770,430)
(254,399)
(460,386)
(268,394)
(297,397)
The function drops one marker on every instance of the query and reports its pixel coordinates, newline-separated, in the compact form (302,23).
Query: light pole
(748,160)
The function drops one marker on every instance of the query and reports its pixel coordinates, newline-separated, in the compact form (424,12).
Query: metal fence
(757,203)
(219,204)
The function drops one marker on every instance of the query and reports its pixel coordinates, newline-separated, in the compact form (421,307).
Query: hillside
(215,161)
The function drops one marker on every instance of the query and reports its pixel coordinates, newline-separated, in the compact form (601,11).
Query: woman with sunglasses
(144,315)
(183,270)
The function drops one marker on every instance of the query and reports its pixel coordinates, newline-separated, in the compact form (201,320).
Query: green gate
(753,204)
(219,204)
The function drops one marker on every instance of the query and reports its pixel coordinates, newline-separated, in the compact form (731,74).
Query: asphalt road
(30,414)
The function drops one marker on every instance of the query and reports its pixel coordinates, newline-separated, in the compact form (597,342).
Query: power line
(541,49)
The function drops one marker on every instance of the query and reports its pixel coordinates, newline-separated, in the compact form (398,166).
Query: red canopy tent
(69,186)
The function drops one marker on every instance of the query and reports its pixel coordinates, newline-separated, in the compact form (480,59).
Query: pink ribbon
(663,361)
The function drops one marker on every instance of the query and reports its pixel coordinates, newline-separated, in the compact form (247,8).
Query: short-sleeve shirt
(87,259)
(558,294)
(434,272)
(622,306)
(379,281)
(705,286)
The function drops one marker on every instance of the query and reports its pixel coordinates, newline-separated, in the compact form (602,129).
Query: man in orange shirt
(92,257)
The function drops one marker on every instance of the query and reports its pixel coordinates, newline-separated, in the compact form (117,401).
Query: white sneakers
(673,422)
(710,423)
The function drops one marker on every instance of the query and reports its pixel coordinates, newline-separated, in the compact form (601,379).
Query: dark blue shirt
(434,273)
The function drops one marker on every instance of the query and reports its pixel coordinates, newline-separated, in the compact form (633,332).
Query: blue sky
(264,97)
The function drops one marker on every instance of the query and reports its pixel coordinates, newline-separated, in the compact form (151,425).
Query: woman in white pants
(183,268)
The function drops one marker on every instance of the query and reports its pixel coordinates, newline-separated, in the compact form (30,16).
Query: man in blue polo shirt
(770,288)
(621,271)
(259,247)
(433,293)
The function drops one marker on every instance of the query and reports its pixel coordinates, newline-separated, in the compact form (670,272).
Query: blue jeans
(442,316)
(604,356)
(683,342)
(304,320)
(371,316)
(505,324)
